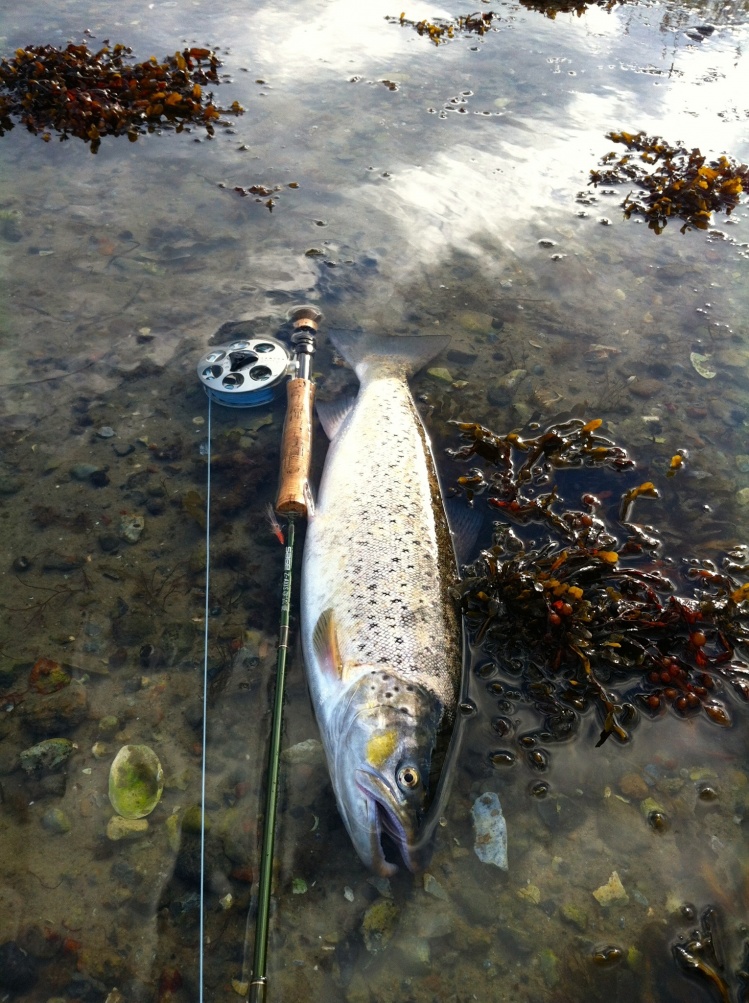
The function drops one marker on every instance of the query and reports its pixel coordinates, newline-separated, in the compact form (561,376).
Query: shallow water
(456,202)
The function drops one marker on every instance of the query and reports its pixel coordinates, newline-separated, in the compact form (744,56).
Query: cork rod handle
(296,449)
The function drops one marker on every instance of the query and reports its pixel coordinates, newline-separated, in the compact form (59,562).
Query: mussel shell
(136,781)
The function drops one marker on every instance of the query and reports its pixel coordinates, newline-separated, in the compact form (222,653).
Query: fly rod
(292,502)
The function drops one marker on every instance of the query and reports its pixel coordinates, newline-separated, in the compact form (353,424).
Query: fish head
(382,764)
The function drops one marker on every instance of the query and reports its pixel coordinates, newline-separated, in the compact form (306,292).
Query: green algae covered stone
(136,781)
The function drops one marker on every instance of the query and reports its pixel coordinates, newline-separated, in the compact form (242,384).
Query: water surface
(440,189)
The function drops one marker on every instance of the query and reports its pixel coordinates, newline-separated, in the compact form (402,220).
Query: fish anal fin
(325,644)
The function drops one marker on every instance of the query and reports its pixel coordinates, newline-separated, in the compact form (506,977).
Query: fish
(380,629)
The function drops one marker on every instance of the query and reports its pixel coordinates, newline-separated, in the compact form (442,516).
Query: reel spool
(246,372)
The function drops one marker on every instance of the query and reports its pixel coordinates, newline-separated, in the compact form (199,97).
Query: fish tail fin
(377,355)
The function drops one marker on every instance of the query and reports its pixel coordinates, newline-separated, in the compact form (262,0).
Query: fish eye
(408,778)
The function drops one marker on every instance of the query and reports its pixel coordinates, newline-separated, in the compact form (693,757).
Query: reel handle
(296,449)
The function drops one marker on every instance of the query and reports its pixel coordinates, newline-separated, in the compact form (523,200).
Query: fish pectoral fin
(465,527)
(325,644)
(332,414)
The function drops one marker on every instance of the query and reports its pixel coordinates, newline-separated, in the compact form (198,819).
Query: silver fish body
(380,630)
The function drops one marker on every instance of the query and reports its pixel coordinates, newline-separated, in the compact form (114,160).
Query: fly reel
(248,370)
(245,373)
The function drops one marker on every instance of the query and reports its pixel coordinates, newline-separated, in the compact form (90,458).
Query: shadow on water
(458,203)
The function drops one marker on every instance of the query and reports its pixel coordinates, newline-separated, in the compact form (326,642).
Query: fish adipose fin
(374,355)
(325,643)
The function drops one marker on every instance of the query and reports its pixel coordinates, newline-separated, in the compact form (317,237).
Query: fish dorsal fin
(325,643)
(332,414)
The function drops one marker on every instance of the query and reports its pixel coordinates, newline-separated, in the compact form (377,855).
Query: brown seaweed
(550,8)
(588,617)
(75,91)
(442,29)
(674,182)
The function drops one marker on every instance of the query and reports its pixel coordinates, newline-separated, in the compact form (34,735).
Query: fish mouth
(386,817)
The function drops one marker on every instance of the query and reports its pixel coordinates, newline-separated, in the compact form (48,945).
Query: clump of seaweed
(441,30)
(550,8)
(674,181)
(77,92)
(588,617)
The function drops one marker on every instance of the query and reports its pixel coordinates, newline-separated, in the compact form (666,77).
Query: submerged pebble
(309,751)
(47,755)
(47,713)
(10,485)
(433,887)
(382,885)
(574,915)
(126,828)
(108,724)
(633,786)
(378,925)
(55,820)
(498,393)
(490,827)
(109,542)
(18,970)
(462,358)
(192,820)
(530,893)
(549,964)
(52,561)
(645,388)
(131,527)
(475,322)
(415,949)
(84,471)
